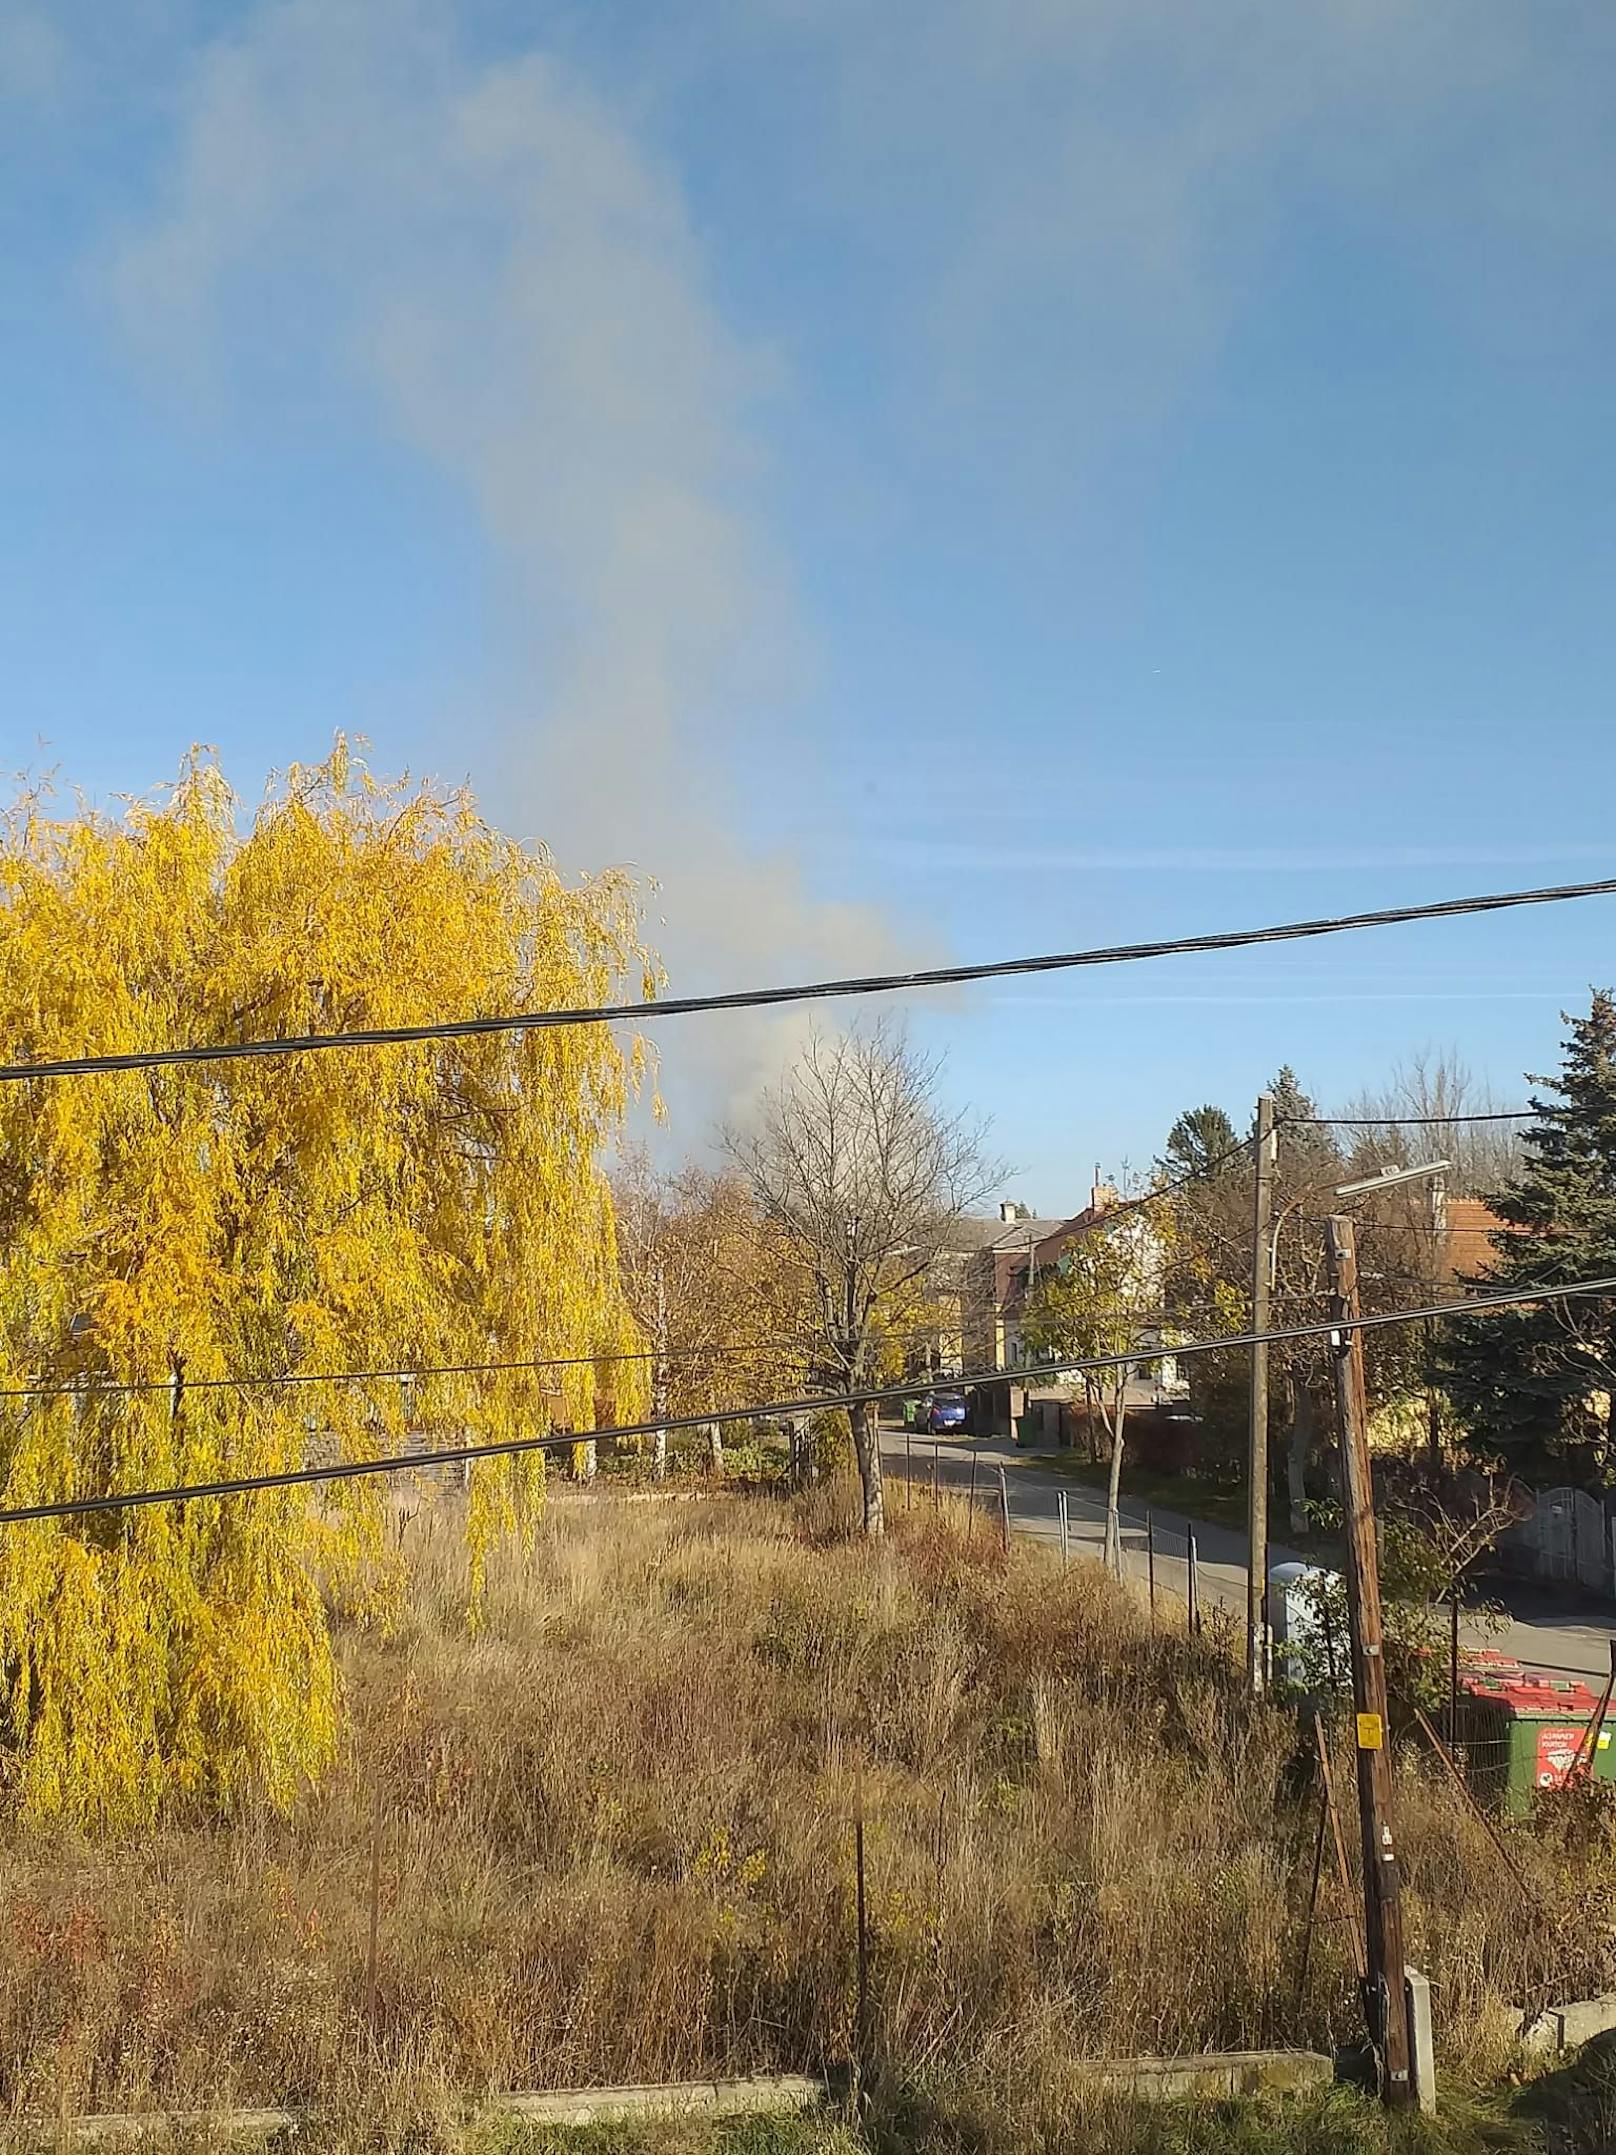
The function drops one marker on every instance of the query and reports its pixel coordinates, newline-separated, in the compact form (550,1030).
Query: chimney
(1008,1211)
(1102,1196)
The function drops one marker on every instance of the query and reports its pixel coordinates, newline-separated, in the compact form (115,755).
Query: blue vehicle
(943,1412)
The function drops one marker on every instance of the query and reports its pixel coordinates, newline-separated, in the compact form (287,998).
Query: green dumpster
(1522,1732)
(1027,1427)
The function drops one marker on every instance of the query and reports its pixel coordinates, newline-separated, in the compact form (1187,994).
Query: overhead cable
(763,1410)
(813,991)
(1402,1122)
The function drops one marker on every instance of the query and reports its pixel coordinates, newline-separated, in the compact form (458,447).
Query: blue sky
(922,482)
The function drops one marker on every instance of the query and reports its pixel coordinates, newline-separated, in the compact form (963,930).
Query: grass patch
(1339,2122)
(1142,1490)
(824,2134)
(613,1833)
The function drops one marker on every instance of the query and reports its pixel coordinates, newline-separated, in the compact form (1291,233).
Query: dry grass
(615,1844)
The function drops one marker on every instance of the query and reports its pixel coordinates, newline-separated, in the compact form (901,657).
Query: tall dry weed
(616,1843)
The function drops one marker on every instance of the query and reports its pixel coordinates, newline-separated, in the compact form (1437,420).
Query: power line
(1105,1218)
(275,1379)
(764,1410)
(1405,1122)
(813,991)
(271,1380)
(99,1388)
(1203,1173)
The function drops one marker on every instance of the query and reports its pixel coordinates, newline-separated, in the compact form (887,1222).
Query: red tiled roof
(1467,1247)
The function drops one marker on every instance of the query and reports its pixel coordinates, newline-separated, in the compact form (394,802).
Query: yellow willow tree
(404,1206)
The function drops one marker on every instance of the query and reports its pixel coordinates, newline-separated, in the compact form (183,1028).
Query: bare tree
(864,1172)
(1436,1082)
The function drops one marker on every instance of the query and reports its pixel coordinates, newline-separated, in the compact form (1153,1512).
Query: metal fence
(1567,1536)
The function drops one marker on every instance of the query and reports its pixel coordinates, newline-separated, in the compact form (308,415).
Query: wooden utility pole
(1385,1997)
(1257,1437)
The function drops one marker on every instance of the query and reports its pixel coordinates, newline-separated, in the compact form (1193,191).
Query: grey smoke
(487,251)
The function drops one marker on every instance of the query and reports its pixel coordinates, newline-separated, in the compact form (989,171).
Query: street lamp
(1388,1178)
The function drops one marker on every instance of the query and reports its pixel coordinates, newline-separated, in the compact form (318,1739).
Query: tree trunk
(715,1448)
(1296,1451)
(1113,1526)
(660,1392)
(661,1386)
(802,1452)
(867,1451)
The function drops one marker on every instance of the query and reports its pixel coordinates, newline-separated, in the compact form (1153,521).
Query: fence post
(1194,1582)
(861,2040)
(1066,1545)
(1417,1989)
(1004,1509)
(373,1949)
(1150,1560)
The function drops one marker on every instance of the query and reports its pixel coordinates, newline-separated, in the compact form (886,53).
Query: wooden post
(1312,1900)
(861,2037)
(936,1493)
(908,1464)
(1150,1561)
(1065,1534)
(1257,1429)
(970,1521)
(1004,1509)
(1453,1666)
(1386,1997)
(1343,1870)
(373,1947)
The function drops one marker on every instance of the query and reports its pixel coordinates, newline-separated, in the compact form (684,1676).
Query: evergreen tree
(1213,1264)
(1534,1385)
(1308,1156)
(1198,1144)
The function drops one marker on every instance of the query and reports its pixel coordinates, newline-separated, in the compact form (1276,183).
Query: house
(968,1285)
(1465,1228)
(1156,1380)
(978,1287)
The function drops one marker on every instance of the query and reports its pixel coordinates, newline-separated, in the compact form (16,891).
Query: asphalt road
(1544,1630)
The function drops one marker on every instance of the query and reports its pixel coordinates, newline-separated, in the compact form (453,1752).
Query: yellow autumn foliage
(404,1206)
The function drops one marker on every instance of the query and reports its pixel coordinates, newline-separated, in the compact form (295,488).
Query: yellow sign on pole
(1371,1733)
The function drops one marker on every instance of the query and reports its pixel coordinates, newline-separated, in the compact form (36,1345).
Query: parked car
(943,1412)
